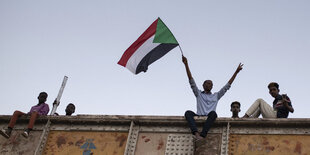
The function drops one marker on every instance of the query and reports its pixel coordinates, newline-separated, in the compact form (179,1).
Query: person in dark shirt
(70,109)
(235,109)
(282,105)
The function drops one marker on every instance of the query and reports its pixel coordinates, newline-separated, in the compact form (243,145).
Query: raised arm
(190,78)
(189,74)
(287,103)
(235,74)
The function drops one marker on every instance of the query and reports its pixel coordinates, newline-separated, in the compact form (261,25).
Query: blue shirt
(207,102)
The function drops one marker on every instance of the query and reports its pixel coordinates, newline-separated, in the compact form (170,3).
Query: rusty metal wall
(269,144)
(84,142)
(151,143)
(211,145)
(156,135)
(156,144)
(19,145)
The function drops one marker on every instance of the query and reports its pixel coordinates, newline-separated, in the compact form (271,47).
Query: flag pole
(181,50)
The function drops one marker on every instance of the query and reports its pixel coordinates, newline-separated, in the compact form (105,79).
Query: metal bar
(132,139)
(43,138)
(128,138)
(225,138)
(64,81)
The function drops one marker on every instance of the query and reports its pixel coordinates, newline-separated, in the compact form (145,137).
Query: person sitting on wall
(235,109)
(206,101)
(41,109)
(70,109)
(281,105)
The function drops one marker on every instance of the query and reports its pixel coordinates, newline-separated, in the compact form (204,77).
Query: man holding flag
(206,101)
(153,44)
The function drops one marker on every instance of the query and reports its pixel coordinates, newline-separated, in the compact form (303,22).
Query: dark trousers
(17,114)
(189,116)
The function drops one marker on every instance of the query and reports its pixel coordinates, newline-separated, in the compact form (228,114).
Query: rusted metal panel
(210,145)
(281,130)
(17,144)
(179,129)
(149,135)
(88,127)
(269,144)
(74,142)
(151,143)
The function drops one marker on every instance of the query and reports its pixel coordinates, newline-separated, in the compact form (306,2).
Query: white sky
(41,41)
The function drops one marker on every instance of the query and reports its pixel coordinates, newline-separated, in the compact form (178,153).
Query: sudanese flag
(153,44)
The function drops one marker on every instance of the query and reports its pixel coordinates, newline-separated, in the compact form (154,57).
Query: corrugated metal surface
(74,142)
(269,144)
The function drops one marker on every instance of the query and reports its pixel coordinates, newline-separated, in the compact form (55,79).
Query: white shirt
(207,102)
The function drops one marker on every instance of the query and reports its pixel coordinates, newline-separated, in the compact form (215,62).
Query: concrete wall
(155,135)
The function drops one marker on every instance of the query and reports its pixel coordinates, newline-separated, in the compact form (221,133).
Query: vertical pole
(225,139)
(128,138)
(43,138)
(132,139)
(64,81)
(181,49)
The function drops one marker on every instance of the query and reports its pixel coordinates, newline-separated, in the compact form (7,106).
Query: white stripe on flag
(140,53)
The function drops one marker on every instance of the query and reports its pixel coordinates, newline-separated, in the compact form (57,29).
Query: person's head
(70,109)
(42,97)
(207,85)
(273,89)
(235,108)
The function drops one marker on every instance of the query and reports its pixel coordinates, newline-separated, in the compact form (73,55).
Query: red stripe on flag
(149,32)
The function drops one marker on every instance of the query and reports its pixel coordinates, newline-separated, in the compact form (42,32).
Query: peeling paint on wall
(85,143)
(269,144)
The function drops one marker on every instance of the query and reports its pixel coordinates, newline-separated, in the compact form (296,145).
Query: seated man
(281,105)
(40,109)
(70,109)
(206,101)
(235,109)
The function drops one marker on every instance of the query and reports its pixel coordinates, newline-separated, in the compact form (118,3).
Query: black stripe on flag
(154,55)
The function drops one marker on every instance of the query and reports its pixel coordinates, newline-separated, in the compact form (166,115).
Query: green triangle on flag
(163,34)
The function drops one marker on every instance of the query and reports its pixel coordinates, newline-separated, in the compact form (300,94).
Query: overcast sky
(42,41)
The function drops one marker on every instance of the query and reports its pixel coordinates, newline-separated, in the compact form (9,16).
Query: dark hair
(235,102)
(71,104)
(273,84)
(206,81)
(43,93)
